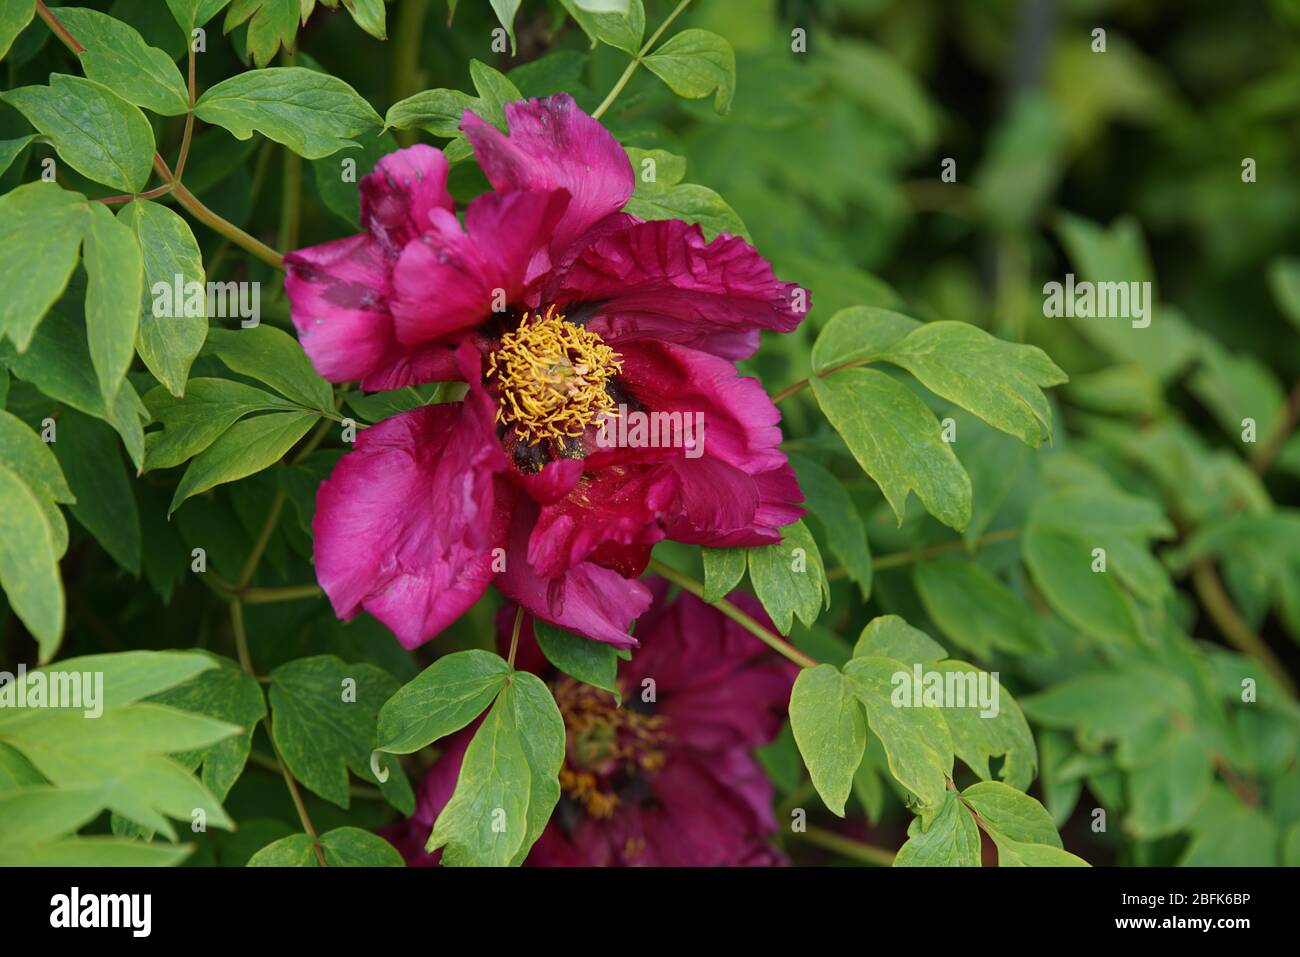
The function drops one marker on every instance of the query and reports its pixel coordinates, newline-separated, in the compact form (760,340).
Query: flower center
(610,749)
(552,376)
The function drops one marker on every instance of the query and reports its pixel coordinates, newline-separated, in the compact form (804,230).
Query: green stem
(183,196)
(636,62)
(263,539)
(268,596)
(769,638)
(1235,628)
(857,850)
(407,76)
(514,636)
(930,551)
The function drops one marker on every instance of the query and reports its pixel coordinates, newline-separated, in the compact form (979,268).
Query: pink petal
(338,295)
(452,278)
(404,524)
(587,600)
(397,198)
(616,505)
(661,280)
(554,145)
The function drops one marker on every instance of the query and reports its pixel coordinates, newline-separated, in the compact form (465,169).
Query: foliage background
(1123,164)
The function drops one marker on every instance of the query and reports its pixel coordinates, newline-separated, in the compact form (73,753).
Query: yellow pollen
(602,739)
(552,376)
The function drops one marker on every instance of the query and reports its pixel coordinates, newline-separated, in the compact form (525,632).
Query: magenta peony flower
(669,782)
(559,311)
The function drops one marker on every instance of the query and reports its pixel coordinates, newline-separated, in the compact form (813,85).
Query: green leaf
(274,357)
(105,505)
(952,839)
(93,130)
(889,636)
(695,63)
(192,423)
(115,268)
(23,452)
(167,343)
(131,676)
(789,577)
(494,91)
(830,731)
(723,570)
(29,568)
(508,780)
(1106,706)
(443,698)
(618,23)
(247,447)
(591,662)
(43,226)
(538,717)
(505,11)
(916,739)
(58,363)
(1017,854)
(194,13)
(846,534)
(121,753)
(1167,791)
(369,16)
(974,609)
(979,733)
(271,23)
(660,194)
(97,852)
(9,150)
(1011,813)
(323,720)
(999,381)
(228,693)
(36,815)
(342,847)
(118,57)
(13,20)
(337,177)
(435,111)
(1284,282)
(1227,833)
(314,114)
(859,334)
(896,440)
(1061,565)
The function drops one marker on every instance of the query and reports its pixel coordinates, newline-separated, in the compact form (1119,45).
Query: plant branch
(514,636)
(183,196)
(636,62)
(1267,452)
(897,559)
(846,846)
(769,638)
(1235,628)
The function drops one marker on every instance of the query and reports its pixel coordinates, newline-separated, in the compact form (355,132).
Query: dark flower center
(612,751)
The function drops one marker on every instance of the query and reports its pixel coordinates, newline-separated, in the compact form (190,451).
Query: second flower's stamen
(552,377)
(607,748)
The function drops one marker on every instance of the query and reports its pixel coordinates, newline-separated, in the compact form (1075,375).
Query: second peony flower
(561,313)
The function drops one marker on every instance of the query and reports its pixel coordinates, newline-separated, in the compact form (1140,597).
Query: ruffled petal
(613,506)
(339,291)
(587,600)
(661,280)
(404,527)
(453,278)
(399,196)
(554,145)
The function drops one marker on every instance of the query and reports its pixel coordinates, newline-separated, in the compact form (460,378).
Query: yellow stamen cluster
(603,739)
(552,376)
